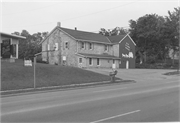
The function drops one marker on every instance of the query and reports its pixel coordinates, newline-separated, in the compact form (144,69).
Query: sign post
(35,56)
(34,72)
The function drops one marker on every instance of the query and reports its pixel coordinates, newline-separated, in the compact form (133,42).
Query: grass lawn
(17,76)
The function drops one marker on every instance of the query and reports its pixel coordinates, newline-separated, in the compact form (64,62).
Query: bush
(39,60)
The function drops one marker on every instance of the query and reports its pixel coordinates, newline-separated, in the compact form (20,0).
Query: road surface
(155,101)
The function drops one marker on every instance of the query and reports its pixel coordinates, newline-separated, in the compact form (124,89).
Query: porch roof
(102,56)
(12,35)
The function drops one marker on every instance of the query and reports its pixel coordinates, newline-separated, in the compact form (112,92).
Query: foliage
(29,46)
(115,31)
(155,35)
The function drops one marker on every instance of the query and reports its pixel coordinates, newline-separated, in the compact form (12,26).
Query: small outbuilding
(124,48)
(9,46)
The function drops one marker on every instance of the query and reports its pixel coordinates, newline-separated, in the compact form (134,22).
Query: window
(90,61)
(66,45)
(113,61)
(80,60)
(98,61)
(48,47)
(90,46)
(105,47)
(56,46)
(82,45)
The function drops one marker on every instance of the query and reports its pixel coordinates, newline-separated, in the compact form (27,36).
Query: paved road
(137,102)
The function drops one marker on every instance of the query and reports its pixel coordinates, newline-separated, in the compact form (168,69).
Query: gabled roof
(119,38)
(85,36)
(103,56)
(116,39)
(90,36)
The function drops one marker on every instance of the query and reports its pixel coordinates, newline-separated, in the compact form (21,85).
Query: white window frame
(56,46)
(91,62)
(99,62)
(79,60)
(48,47)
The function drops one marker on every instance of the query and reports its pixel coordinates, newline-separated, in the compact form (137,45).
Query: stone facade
(56,57)
(77,52)
(97,48)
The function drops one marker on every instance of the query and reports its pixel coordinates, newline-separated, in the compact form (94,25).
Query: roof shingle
(116,39)
(86,36)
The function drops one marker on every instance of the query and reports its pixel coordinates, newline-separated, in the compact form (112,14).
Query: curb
(60,88)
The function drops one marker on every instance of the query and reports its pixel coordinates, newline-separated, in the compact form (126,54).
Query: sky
(86,15)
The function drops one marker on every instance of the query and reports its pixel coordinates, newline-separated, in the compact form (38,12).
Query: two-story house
(80,49)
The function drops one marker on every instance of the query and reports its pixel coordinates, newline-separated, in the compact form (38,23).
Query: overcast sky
(86,15)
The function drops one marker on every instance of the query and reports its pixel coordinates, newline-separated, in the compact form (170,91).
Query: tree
(147,34)
(113,32)
(172,30)
(29,46)
(104,32)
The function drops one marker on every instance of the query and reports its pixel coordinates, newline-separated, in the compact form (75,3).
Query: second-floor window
(82,45)
(66,45)
(105,47)
(90,46)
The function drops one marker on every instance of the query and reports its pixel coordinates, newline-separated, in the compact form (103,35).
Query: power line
(99,11)
(75,17)
(28,10)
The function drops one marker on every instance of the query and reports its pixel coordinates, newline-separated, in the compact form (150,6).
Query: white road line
(41,98)
(115,116)
(82,101)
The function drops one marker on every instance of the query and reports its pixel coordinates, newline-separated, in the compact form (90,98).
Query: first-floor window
(113,61)
(98,62)
(90,61)
(80,60)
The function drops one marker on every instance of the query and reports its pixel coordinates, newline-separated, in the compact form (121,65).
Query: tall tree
(29,46)
(146,32)
(172,30)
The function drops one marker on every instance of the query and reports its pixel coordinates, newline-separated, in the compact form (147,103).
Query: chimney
(75,28)
(59,24)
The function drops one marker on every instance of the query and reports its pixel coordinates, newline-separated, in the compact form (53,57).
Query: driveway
(140,75)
